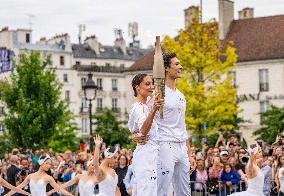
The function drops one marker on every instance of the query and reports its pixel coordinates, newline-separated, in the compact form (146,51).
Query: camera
(24,172)
(245,159)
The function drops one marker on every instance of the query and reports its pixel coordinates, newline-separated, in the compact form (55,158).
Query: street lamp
(90,91)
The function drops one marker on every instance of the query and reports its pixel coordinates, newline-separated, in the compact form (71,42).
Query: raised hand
(98,140)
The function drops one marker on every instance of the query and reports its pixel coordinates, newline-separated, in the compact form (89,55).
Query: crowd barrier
(204,191)
(223,190)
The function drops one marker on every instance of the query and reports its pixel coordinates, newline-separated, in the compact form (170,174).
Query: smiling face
(145,88)
(174,70)
(46,165)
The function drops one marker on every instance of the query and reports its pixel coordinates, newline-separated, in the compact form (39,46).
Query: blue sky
(155,17)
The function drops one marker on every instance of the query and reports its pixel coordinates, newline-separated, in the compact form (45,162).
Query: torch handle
(160,88)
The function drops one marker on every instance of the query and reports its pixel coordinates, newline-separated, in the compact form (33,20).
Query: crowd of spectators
(216,170)
(18,164)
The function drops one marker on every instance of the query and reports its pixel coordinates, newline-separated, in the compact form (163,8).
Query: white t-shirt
(137,116)
(172,127)
(281,179)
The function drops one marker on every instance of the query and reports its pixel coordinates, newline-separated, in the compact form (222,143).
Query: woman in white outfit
(254,175)
(280,174)
(87,182)
(38,180)
(11,187)
(108,184)
(141,120)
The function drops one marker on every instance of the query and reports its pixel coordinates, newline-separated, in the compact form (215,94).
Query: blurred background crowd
(217,169)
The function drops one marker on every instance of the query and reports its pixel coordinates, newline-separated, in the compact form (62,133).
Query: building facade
(72,63)
(259,76)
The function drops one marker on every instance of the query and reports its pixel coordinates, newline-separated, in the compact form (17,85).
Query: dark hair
(227,164)
(167,56)
(138,79)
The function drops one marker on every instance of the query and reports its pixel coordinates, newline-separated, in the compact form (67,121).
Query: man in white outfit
(173,160)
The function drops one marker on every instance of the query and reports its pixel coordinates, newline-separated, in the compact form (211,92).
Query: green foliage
(272,124)
(111,130)
(206,82)
(36,114)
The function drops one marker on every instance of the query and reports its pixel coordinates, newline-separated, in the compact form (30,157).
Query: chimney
(42,41)
(190,14)
(92,41)
(226,16)
(246,13)
(120,43)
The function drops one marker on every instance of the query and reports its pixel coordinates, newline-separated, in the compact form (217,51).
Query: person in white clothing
(38,180)
(108,184)
(87,182)
(141,120)
(254,174)
(173,161)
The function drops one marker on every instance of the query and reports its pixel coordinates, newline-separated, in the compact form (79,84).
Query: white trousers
(173,167)
(145,159)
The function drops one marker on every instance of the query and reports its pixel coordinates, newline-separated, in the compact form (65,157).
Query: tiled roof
(258,38)
(255,39)
(107,52)
(144,63)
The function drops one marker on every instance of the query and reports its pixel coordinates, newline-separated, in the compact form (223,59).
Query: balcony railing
(99,109)
(84,109)
(116,110)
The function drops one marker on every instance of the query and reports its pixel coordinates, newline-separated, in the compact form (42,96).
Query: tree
(206,82)
(36,114)
(111,130)
(272,124)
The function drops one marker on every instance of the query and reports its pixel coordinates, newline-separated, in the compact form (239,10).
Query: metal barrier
(223,190)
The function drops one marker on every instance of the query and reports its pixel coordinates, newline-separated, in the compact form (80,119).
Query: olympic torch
(159,72)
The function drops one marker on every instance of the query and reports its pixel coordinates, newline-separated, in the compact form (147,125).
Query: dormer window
(28,38)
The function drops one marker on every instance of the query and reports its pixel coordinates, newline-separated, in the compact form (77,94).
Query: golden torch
(159,72)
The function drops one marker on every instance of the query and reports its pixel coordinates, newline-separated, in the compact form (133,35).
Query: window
(234,78)
(99,104)
(67,96)
(2,128)
(28,38)
(114,105)
(263,80)
(62,60)
(65,78)
(263,108)
(84,103)
(122,66)
(2,110)
(83,81)
(77,63)
(114,84)
(85,127)
(100,83)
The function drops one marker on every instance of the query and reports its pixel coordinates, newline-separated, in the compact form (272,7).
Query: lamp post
(90,91)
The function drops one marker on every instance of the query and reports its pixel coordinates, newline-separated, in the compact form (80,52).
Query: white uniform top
(172,127)
(38,188)
(86,188)
(137,116)
(281,179)
(108,186)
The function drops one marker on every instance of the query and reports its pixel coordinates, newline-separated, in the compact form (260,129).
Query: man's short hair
(167,56)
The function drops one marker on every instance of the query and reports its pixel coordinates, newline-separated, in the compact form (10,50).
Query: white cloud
(155,17)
